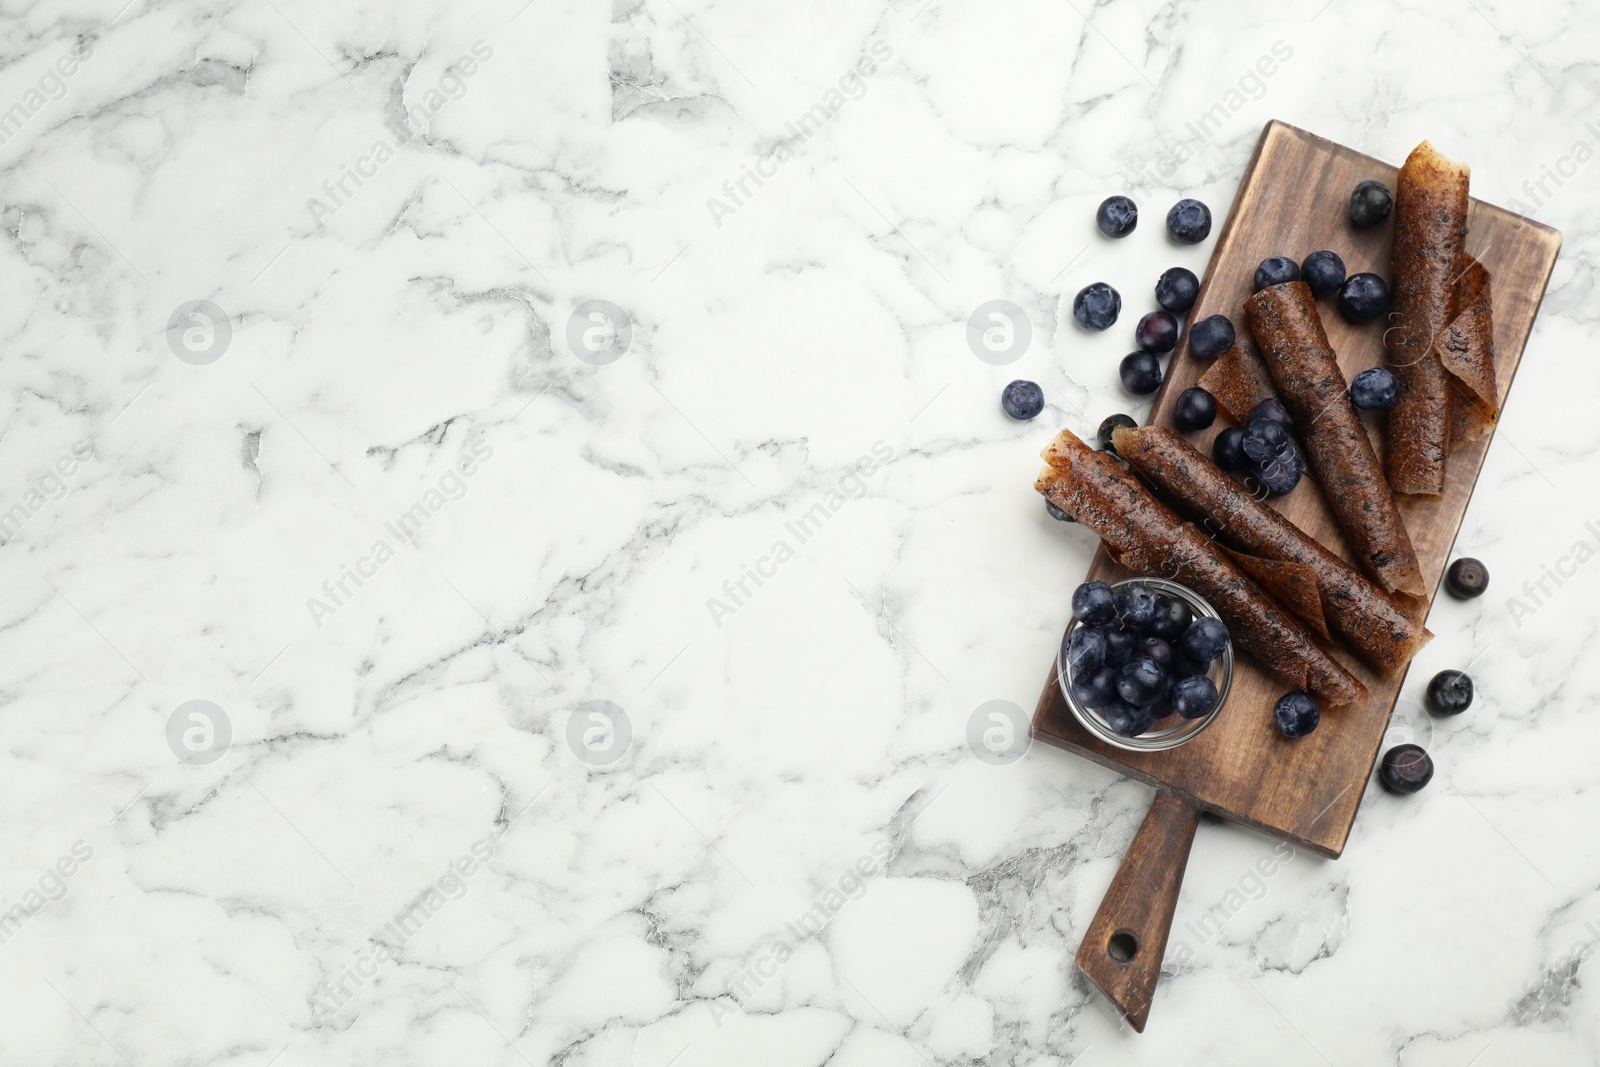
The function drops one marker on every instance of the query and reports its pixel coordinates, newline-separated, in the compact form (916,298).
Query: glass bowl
(1173,730)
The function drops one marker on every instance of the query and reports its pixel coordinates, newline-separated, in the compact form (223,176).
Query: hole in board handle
(1123,946)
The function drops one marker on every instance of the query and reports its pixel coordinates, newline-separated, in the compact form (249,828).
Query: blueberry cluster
(1264,449)
(1407,768)
(1139,656)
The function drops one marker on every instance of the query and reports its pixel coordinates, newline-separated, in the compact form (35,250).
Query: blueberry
(1141,682)
(1121,645)
(1177,290)
(1141,373)
(1363,297)
(1405,769)
(1157,332)
(1086,650)
(1096,306)
(1450,693)
(1209,338)
(1466,578)
(1271,410)
(1184,664)
(1194,696)
(1375,389)
(1057,514)
(1297,714)
(1136,606)
(1195,410)
(1172,618)
(1126,719)
(1323,272)
(1157,649)
(1022,400)
(1265,440)
(1206,639)
(1370,203)
(1276,271)
(1227,450)
(1111,425)
(1100,687)
(1273,459)
(1189,221)
(1094,604)
(1279,477)
(1117,216)
(1084,692)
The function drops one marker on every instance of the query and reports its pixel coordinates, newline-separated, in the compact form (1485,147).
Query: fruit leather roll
(1305,577)
(1466,350)
(1148,539)
(1238,381)
(1430,232)
(1294,348)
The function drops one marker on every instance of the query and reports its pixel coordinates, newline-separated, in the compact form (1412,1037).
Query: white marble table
(414,527)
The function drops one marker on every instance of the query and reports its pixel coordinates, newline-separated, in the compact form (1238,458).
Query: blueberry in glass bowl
(1130,695)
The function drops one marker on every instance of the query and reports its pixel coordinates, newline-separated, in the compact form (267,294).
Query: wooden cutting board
(1293,201)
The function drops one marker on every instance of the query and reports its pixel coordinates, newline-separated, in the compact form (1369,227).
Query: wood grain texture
(1293,201)
(1138,907)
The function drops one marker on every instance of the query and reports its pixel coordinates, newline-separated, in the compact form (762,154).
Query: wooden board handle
(1122,950)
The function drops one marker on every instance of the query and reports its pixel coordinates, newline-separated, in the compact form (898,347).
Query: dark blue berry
(1276,271)
(1117,216)
(1136,606)
(1094,604)
(1375,389)
(1271,410)
(1057,514)
(1157,332)
(1177,290)
(1126,719)
(1189,221)
(1195,410)
(1370,203)
(1297,714)
(1194,696)
(1086,650)
(1323,272)
(1205,640)
(1101,687)
(1158,650)
(1279,477)
(1227,450)
(1141,682)
(1450,693)
(1140,373)
(1111,425)
(1209,338)
(1363,297)
(1022,400)
(1096,306)
(1121,645)
(1466,578)
(1172,618)
(1405,769)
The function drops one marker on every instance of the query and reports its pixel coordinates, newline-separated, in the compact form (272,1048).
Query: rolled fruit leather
(1295,350)
(1150,540)
(1430,232)
(1276,552)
